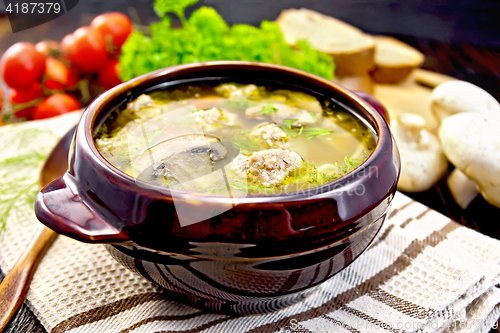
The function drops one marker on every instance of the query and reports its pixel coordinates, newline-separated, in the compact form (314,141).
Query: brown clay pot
(265,252)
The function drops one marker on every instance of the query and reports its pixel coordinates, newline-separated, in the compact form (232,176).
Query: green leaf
(315,177)
(177,7)
(289,123)
(349,165)
(311,132)
(313,173)
(205,36)
(268,109)
(301,130)
(307,132)
(242,105)
(326,178)
(241,185)
(245,142)
(207,19)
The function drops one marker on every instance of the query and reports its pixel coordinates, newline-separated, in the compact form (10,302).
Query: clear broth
(333,145)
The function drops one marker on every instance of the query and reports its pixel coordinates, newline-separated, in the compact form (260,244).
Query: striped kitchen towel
(423,273)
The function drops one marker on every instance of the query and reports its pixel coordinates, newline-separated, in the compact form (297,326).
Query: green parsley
(311,132)
(313,173)
(307,132)
(268,109)
(246,143)
(242,105)
(177,7)
(349,165)
(314,176)
(241,185)
(289,122)
(205,36)
(329,177)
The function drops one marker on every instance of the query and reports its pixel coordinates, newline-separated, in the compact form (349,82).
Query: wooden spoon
(15,285)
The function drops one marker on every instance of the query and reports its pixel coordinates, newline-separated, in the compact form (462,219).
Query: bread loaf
(394,60)
(360,82)
(352,50)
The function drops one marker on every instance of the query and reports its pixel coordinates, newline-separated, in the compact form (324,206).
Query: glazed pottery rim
(381,129)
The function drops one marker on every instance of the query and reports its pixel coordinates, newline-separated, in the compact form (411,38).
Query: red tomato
(53,85)
(68,44)
(108,75)
(58,76)
(56,105)
(22,65)
(47,47)
(17,96)
(86,49)
(24,113)
(115,25)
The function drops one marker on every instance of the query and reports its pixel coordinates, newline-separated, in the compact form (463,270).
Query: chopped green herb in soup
(234,139)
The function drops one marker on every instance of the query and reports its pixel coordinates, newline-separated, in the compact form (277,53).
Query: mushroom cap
(471,142)
(422,163)
(195,150)
(459,96)
(422,160)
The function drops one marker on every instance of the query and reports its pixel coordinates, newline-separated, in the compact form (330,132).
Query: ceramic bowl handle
(62,209)
(375,104)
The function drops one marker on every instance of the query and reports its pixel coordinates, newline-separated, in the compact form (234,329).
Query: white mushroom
(455,99)
(471,142)
(183,158)
(459,96)
(422,160)
(462,189)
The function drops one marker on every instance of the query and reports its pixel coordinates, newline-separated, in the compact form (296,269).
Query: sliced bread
(352,50)
(394,60)
(360,82)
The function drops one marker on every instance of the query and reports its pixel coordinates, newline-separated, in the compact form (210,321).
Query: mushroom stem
(462,188)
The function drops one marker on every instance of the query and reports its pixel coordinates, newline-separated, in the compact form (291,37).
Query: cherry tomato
(47,47)
(22,65)
(108,74)
(86,49)
(58,76)
(67,44)
(114,26)
(53,85)
(24,113)
(56,105)
(17,96)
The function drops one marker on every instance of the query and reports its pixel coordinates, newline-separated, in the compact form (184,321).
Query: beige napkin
(423,273)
